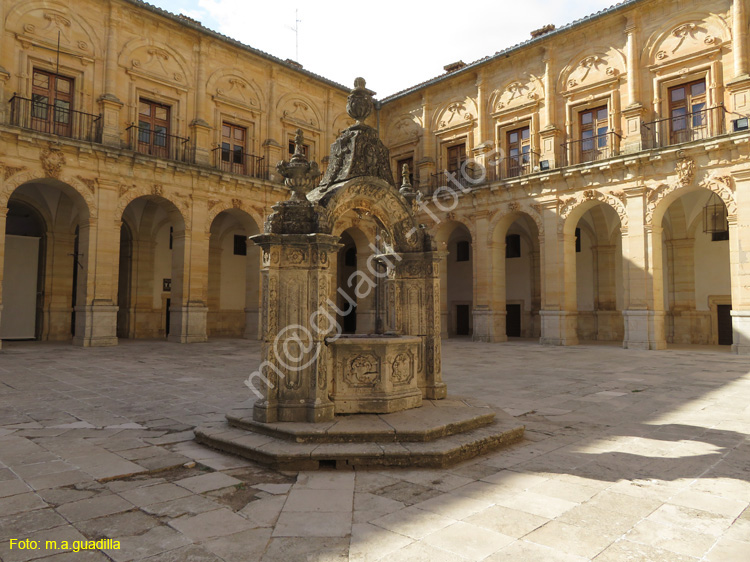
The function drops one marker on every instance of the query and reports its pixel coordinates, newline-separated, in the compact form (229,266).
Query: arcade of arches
(493,283)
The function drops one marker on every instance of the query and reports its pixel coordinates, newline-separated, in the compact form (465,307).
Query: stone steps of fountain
(433,420)
(284,454)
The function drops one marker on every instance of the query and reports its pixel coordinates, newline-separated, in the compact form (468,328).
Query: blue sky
(395,46)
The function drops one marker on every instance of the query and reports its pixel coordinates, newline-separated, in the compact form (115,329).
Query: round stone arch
(664,195)
(157,195)
(572,210)
(378,198)
(236,207)
(502,221)
(444,230)
(81,195)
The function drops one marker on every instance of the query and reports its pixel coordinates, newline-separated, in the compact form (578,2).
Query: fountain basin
(375,374)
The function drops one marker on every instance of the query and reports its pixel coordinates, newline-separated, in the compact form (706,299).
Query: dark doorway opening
(724,317)
(513,320)
(462,319)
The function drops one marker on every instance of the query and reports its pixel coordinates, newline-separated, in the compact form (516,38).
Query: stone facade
(594,153)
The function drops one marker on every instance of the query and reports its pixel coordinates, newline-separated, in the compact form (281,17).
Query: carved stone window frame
(444,145)
(574,108)
(663,82)
(176,107)
(241,119)
(502,128)
(83,80)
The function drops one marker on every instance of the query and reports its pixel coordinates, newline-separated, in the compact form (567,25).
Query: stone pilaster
(417,296)
(3,215)
(295,320)
(99,244)
(643,309)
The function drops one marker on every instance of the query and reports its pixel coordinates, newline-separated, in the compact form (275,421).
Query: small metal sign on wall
(167,285)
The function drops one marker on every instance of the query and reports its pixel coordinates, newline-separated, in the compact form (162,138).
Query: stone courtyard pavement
(628,455)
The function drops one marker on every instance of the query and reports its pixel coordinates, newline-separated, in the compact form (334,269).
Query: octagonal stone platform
(437,434)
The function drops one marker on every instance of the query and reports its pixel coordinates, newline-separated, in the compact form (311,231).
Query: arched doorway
(457,280)
(233,276)
(152,247)
(593,272)
(695,261)
(42,273)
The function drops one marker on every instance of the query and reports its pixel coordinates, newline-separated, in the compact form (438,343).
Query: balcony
(462,180)
(239,163)
(157,142)
(54,120)
(591,149)
(513,166)
(682,128)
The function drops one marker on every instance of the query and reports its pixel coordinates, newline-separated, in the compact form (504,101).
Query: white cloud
(393,44)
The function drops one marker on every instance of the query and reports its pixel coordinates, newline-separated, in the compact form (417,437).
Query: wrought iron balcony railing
(685,127)
(463,180)
(240,163)
(54,119)
(513,166)
(157,142)
(591,149)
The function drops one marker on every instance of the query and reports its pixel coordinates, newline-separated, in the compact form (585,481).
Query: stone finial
(359,103)
(299,174)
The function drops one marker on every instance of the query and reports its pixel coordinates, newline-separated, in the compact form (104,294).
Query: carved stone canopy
(358,152)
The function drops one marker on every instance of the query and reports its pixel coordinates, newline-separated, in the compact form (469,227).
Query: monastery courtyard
(628,455)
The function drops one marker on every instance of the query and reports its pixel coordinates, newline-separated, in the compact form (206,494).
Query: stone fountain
(325,399)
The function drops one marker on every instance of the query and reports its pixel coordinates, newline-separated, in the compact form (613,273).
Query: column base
(644,329)
(252,325)
(311,413)
(559,327)
(188,324)
(741,332)
(489,325)
(96,325)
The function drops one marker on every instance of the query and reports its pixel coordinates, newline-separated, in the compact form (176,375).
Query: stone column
(483,305)
(200,130)
(3,215)
(681,274)
(188,312)
(605,302)
(549,134)
(109,103)
(295,320)
(252,293)
(739,247)
(559,317)
(497,287)
(739,38)
(99,244)
(417,295)
(643,306)
(426,165)
(634,112)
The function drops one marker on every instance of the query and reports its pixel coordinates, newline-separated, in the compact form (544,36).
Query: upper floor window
(594,127)
(687,112)
(51,103)
(456,156)
(153,128)
(519,152)
(233,148)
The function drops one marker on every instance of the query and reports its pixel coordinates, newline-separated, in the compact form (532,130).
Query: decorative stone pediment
(157,63)
(593,69)
(235,90)
(404,129)
(456,114)
(341,122)
(524,91)
(687,39)
(41,26)
(299,112)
